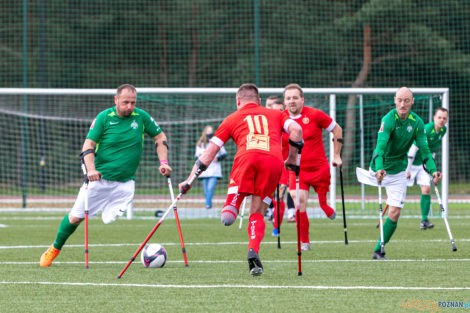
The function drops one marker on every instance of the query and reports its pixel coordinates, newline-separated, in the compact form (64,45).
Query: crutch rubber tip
(299,274)
(118,277)
(86,266)
(187,265)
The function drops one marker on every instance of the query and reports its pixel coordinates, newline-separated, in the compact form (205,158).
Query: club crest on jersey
(382,127)
(409,128)
(134,125)
(305,120)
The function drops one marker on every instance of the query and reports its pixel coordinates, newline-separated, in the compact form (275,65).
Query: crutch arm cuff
(201,166)
(88,151)
(297,144)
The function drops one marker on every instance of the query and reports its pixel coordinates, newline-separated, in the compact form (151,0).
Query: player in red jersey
(257,164)
(314,166)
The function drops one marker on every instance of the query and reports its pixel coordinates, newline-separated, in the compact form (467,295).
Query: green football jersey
(434,141)
(119,142)
(395,138)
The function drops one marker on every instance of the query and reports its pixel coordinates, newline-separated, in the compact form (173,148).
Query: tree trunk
(350,127)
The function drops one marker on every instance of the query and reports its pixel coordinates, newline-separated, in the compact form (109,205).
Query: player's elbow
(337,131)
(295,132)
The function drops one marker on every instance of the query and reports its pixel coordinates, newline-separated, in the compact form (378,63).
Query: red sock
(256,229)
(235,200)
(304,227)
(325,207)
(282,209)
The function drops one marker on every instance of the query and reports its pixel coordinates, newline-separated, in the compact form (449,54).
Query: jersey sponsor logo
(113,123)
(93,124)
(134,124)
(305,120)
(409,128)
(382,127)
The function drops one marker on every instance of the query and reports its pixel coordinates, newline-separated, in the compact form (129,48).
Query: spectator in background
(214,171)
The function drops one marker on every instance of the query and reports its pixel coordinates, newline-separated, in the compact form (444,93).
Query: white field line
(244,261)
(52,218)
(375,288)
(369,199)
(230,243)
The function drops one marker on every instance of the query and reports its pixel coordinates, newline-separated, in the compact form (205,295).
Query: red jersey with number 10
(254,129)
(312,121)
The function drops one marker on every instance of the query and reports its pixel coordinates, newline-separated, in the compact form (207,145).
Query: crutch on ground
(175,211)
(344,209)
(296,169)
(201,168)
(85,181)
(443,211)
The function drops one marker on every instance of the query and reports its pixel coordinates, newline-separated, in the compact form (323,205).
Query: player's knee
(75,220)
(228,215)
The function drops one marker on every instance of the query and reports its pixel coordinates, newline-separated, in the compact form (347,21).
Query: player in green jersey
(399,128)
(415,172)
(111,153)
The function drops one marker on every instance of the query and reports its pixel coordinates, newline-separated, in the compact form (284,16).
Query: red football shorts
(284,176)
(318,178)
(256,174)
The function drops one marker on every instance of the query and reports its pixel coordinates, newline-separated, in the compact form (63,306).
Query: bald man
(399,128)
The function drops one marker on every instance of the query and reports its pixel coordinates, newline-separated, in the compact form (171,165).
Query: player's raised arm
(337,144)
(205,159)
(422,143)
(161,146)
(386,128)
(88,152)
(295,135)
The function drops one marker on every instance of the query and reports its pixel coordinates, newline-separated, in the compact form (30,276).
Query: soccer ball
(153,255)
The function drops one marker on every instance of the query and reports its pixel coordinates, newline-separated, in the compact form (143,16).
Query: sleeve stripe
(286,125)
(332,125)
(217,141)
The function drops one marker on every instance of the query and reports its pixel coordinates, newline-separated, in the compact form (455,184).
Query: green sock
(425,206)
(389,229)
(65,230)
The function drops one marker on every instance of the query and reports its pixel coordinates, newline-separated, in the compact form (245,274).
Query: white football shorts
(113,198)
(418,174)
(395,185)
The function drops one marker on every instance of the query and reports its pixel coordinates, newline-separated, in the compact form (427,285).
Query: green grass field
(336,277)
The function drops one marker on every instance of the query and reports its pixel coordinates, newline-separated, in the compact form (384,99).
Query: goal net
(43,132)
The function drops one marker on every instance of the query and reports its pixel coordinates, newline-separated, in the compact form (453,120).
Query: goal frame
(331,92)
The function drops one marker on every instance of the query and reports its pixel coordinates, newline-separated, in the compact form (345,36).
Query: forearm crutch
(175,211)
(201,168)
(344,209)
(383,213)
(86,181)
(443,211)
(296,169)
(242,213)
(381,225)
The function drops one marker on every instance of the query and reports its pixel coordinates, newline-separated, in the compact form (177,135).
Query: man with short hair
(257,165)
(314,166)
(415,172)
(111,153)
(398,129)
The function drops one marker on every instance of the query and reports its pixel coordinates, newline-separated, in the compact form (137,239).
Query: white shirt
(214,169)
